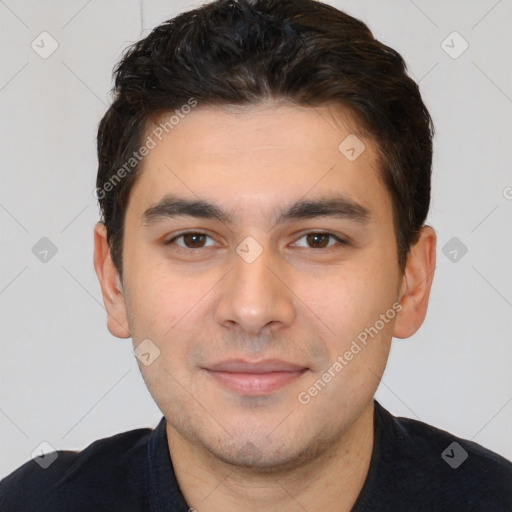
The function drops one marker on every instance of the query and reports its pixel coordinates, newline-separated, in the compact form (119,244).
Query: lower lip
(255,383)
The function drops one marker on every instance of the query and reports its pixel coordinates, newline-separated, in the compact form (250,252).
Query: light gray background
(67,381)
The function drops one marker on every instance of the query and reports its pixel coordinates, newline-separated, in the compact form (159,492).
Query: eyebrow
(340,207)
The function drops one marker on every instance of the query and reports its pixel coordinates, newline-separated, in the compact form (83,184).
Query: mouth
(255,379)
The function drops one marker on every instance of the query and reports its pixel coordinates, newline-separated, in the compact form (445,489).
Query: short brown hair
(243,52)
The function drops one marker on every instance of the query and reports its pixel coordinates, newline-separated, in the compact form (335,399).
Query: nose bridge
(253,296)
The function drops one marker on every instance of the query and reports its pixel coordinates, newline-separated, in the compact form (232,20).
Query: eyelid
(341,241)
(183,233)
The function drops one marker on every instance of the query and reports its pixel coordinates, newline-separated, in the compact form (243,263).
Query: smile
(255,378)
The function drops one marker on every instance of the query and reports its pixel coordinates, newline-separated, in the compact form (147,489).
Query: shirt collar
(164,494)
(162,489)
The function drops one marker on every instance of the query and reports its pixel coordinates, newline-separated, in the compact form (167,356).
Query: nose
(255,295)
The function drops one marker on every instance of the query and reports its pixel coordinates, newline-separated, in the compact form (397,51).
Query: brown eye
(193,240)
(319,240)
(190,240)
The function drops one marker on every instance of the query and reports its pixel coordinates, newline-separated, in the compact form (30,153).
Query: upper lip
(267,366)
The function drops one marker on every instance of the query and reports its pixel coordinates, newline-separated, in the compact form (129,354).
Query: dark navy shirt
(414,468)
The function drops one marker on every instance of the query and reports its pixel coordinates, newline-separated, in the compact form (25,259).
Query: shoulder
(102,469)
(447,470)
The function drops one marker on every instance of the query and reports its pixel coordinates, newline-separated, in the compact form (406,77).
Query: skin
(301,300)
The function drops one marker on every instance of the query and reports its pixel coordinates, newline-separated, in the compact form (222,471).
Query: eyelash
(327,233)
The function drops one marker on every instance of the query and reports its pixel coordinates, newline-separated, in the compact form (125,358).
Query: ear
(111,286)
(416,284)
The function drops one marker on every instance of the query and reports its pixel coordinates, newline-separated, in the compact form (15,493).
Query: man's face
(251,311)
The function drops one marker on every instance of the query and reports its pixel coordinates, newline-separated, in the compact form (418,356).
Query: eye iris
(195,240)
(191,240)
(313,239)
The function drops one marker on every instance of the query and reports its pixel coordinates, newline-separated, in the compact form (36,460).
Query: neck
(336,475)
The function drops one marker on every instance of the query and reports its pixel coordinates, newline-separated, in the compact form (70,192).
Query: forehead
(236,129)
(257,156)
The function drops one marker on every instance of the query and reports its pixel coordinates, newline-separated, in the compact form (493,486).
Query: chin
(258,453)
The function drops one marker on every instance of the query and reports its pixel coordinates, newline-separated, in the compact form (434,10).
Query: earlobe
(416,284)
(110,283)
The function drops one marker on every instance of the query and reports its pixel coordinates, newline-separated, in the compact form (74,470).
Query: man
(264,179)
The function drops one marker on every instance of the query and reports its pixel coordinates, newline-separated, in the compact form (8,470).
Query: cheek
(157,298)
(352,301)
(358,308)
(160,308)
